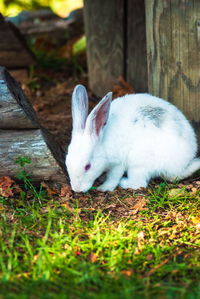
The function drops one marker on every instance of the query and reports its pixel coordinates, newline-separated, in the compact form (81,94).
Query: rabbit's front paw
(107,186)
(125,183)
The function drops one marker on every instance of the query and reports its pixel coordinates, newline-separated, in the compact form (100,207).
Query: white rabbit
(138,134)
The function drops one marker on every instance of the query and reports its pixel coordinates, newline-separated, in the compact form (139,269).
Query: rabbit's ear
(79,108)
(99,115)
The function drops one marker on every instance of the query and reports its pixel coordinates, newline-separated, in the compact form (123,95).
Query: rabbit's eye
(87,167)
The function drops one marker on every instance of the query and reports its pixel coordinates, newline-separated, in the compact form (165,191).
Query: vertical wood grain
(173,52)
(136,46)
(104,31)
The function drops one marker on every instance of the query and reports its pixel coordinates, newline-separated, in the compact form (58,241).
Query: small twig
(149,273)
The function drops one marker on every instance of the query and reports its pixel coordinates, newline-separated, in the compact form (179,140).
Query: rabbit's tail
(192,167)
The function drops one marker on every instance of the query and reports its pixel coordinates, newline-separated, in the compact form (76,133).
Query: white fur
(144,136)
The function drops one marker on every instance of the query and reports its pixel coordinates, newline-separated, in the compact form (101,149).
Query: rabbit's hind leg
(137,178)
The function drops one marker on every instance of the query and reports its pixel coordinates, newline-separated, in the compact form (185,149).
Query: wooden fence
(153,44)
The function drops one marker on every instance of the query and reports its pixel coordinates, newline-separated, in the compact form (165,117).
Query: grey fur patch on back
(154,114)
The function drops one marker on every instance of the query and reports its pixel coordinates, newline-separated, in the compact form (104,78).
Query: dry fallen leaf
(83,198)
(128,272)
(149,257)
(49,190)
(93,257)
(6,184)
(66,205)
(194,191)
(139,205)
(65,192)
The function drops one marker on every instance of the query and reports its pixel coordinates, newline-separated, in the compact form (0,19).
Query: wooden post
(116,43)
(173,50)
(104,32)
(22,135)
(136,55)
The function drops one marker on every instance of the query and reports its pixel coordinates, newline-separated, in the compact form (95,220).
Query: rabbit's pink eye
(87,167)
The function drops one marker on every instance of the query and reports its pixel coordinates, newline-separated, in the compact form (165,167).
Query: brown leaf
(128,272)
(16,189)
(110,206)
(6,184)
(65,192)
(93,257)
(66,205)
(129,200)
(139,205)
(49,190)
(194,191)
(84,198)
(149,257)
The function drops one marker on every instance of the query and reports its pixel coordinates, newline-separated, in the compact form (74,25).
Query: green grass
(50,251)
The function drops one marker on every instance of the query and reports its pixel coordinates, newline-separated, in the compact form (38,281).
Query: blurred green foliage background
(61,7)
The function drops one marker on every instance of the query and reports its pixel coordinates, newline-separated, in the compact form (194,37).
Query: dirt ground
(51,99)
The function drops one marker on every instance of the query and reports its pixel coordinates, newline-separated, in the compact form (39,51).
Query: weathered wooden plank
(29,143)
(173,50)
(104,23)
(14,107)
(44,23)
(13,50)
(135,43)
(21,134)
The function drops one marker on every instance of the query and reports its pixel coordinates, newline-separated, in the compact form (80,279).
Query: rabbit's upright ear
(79,108)
(99,115)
